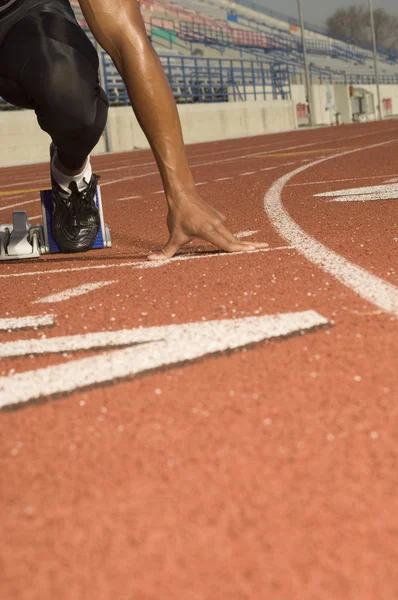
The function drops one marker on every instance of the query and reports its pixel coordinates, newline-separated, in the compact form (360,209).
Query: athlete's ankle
(63,177)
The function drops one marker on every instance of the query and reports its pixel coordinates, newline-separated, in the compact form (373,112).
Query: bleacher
(218,50)
(221,28)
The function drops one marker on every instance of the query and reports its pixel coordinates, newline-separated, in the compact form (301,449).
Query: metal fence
(333,77)
(195,79)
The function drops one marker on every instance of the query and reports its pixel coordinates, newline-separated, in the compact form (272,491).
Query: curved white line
(382,294)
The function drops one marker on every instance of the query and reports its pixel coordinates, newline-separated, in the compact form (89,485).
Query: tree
(352,24)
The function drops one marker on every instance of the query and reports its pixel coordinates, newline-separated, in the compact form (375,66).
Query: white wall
(386,91)
(23,142)
(336,97)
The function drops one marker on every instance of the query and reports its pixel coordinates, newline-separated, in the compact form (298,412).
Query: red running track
(163,433)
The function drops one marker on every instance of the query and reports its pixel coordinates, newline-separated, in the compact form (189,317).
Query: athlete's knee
(75,104)
(72,99)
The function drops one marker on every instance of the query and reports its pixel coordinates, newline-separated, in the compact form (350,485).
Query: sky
(316,11)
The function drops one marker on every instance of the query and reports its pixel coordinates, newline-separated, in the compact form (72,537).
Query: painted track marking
(12,185)
(19,204)
(14,192)
(371,288)
(143,264)
(366,197)
(26,322)
(128,198)
(243,156)
(81,290)
(362,190)
(339,180)
(157,347)
(244,234)
(362,194)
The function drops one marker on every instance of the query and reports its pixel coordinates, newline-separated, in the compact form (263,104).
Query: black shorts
(23,8)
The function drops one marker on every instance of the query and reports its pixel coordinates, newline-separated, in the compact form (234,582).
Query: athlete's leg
(51,66)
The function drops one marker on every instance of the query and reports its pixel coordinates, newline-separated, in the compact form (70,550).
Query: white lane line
(26,322)
(81,290)
(19,183)
(268,168)
(382,294)
(129,178)
(11,197)
(337,180)
(192,157)
(127,198)
(143,264)
(157,347)
(202,183)
(361,190)
(222,178)
(393,180)
(19,204)
(297,146)
(244,234)
(242,156)
(255,155)
(248,173)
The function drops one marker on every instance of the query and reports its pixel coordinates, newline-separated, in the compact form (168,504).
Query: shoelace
(80,199)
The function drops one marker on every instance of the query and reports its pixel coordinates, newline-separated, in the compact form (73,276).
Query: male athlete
(47,63)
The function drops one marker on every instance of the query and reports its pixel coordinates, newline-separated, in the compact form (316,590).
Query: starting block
(20,240)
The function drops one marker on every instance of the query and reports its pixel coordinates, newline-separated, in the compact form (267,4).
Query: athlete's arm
(119,28)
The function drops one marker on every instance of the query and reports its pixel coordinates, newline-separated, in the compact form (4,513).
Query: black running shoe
(75,219)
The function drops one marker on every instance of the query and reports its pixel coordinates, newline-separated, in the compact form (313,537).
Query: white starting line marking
(362,194)
(158,347)
(382,294)
(73,292)
(143,264)
(26,322)
(244,234)
(152,264)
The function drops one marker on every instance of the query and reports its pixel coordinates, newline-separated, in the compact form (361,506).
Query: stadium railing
(195,79)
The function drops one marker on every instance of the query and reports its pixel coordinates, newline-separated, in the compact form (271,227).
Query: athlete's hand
(197,219)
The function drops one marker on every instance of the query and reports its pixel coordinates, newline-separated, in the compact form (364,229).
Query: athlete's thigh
(47,50)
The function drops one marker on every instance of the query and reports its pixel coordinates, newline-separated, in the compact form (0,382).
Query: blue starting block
(20,240)
(103,239)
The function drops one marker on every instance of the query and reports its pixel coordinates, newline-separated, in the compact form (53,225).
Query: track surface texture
(210,449)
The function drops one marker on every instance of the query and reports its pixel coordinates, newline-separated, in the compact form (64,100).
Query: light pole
(376,67)
(306,72)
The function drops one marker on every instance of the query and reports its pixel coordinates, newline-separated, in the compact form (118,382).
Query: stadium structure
(222,51)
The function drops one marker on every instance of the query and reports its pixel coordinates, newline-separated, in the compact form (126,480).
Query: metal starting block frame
(21,240)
